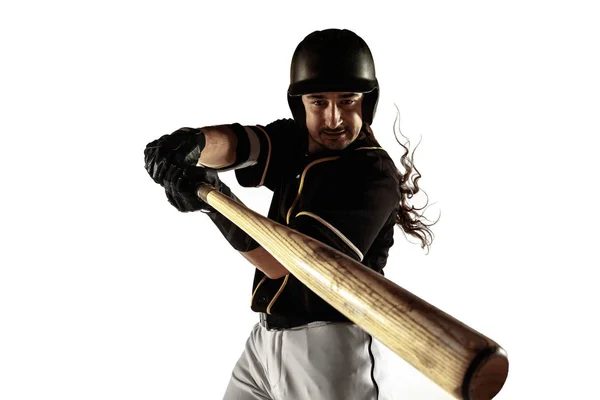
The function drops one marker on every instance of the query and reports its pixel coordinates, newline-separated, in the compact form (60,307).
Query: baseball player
(330,180)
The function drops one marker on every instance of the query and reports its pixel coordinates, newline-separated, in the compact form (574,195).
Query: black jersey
(347,199)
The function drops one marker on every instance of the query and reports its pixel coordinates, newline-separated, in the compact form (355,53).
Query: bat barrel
(462,361)
(486,374)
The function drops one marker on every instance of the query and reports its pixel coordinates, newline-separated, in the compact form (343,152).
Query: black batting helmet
(333,60)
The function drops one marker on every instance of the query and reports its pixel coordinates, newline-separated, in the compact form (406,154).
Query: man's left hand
(181,185)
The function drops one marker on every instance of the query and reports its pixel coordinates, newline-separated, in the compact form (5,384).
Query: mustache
(334,131)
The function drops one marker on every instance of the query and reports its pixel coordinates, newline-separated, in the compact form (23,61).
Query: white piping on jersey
(262,180)
(334,230)
(277,294)
(320,160)
(370,148)
(256,289)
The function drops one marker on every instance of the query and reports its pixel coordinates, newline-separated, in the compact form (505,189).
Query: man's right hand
(179,149)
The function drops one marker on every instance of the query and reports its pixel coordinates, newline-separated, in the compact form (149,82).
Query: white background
(107,292)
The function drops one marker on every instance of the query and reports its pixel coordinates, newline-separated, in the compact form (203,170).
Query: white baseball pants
(317,361)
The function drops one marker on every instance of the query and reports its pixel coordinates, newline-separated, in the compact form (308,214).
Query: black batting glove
(179,149)
(181,185)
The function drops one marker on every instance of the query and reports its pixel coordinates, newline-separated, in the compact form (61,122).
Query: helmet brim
(332,85)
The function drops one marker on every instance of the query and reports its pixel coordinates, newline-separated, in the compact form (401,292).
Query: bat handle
(203,191)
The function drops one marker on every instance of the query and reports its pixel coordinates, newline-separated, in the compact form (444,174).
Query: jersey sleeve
(349,213)
(279,143)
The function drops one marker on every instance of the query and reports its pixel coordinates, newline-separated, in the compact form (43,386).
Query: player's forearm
(264,261)
(220,149)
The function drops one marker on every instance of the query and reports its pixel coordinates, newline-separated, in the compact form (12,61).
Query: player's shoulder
(365,172)
(284,133)
(372,159)
(281,125)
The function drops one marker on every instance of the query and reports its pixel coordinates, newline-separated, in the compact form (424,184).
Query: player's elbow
(273,270)
(266,263)
(276,274)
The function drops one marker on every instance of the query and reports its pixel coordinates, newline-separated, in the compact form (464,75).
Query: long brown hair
(410,218)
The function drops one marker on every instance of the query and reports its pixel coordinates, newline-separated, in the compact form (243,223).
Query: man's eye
(348,102)
(318,102)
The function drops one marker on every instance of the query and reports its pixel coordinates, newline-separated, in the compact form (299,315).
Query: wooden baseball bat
(462,361)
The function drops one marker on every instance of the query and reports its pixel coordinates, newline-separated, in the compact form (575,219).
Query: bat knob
(203,191)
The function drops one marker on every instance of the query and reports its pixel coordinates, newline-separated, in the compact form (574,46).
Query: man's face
(333,119)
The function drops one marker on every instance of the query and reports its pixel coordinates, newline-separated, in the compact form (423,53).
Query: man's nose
(333,117)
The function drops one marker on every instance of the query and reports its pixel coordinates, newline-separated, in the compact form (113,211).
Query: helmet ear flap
(369,105)
(297,108)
